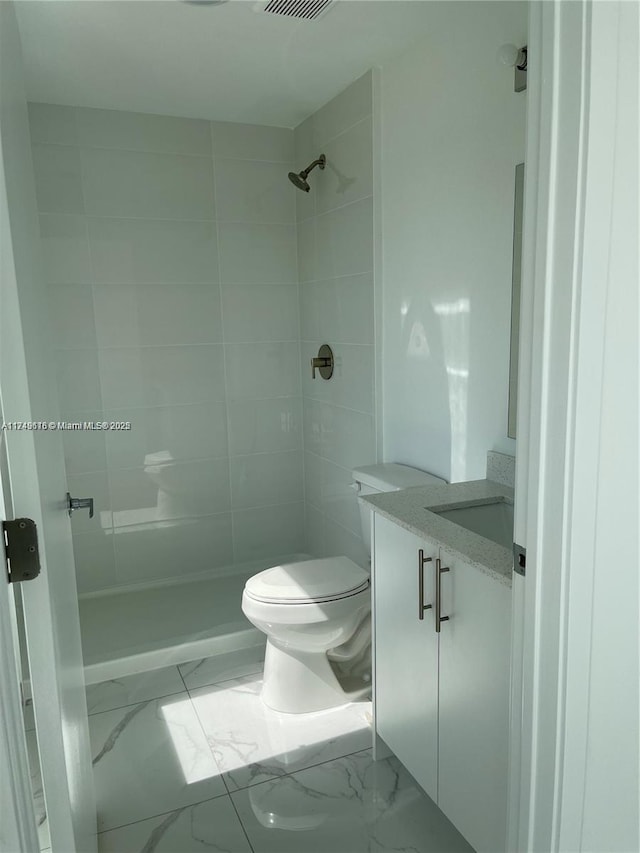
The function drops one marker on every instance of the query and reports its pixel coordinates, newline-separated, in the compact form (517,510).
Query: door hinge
(21,549)
(519,559)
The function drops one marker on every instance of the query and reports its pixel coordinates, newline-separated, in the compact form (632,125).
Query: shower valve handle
(317,363)
(323,362)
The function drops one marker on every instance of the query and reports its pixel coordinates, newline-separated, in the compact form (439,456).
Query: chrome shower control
(323,362)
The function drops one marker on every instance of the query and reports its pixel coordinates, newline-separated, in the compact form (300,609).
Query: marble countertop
(414,509)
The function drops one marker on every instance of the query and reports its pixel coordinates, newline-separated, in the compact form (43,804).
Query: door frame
(577,72)
(18,825)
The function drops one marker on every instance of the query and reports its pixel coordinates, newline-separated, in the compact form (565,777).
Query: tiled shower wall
(336,262)
(170,254)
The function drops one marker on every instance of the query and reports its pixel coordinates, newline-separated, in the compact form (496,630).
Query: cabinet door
(406,652)
(474,704)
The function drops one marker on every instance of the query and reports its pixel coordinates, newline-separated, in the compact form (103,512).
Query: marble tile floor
(189,759)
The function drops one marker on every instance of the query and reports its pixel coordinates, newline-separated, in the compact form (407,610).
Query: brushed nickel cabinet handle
(440,570)
(421,606)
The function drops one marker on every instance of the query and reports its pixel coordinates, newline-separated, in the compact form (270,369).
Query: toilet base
(297,682)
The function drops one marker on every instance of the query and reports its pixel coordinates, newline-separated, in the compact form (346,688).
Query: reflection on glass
(418,344)
(515,299)
(454,326)
(172,504)
(162,471)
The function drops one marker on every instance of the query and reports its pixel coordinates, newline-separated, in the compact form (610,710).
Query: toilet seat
(311,581)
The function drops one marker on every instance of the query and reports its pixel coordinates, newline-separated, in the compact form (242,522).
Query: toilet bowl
(306,609)
(318,611)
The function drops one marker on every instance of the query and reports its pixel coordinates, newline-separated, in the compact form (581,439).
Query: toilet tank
(386,477)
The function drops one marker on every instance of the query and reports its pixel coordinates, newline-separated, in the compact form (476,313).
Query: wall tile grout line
(345,130)
(225,368)
(125,217)
(162,406)
(354,201)
(325,402)
(315,287)
(301,395)
(112,549)
(188,460)
(84,146)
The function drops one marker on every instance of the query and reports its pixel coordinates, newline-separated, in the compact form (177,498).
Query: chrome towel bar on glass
(79,503)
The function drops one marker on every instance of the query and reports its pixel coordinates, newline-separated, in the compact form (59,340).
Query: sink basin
(494,520)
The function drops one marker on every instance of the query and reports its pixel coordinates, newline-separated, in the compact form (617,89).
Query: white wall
(335,260)
(452,134)
(171,272)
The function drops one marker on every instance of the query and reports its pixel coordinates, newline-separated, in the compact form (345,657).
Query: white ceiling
(232,62)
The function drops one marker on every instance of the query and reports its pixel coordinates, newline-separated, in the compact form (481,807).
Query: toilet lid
(311,580)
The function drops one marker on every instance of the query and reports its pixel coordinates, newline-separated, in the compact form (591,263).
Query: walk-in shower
(173,272)
(173,292)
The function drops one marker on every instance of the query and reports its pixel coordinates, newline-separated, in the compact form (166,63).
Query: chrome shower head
(299,179)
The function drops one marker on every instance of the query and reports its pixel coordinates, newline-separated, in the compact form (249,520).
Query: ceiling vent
(307,9)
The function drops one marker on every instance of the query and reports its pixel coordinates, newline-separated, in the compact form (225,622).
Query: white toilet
(319,609)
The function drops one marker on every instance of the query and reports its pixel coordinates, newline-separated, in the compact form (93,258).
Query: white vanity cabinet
(473,718)
(406,657)
(442,699)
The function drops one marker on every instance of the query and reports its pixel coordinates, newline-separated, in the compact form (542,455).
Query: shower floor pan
(127,631)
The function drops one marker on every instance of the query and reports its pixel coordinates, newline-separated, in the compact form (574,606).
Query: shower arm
(321,161)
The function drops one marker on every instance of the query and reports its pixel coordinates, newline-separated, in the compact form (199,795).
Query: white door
(406,653)
(37,478)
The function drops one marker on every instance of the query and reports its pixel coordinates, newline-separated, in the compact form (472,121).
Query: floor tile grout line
(274,778)
(161,814)
(182,679)
(229,794)
(204,732)
(226,680)
(229,678)
(299,770)
(240,821)
(186,690)
(131,704)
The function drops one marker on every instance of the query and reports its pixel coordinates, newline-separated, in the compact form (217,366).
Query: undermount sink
(493,520)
